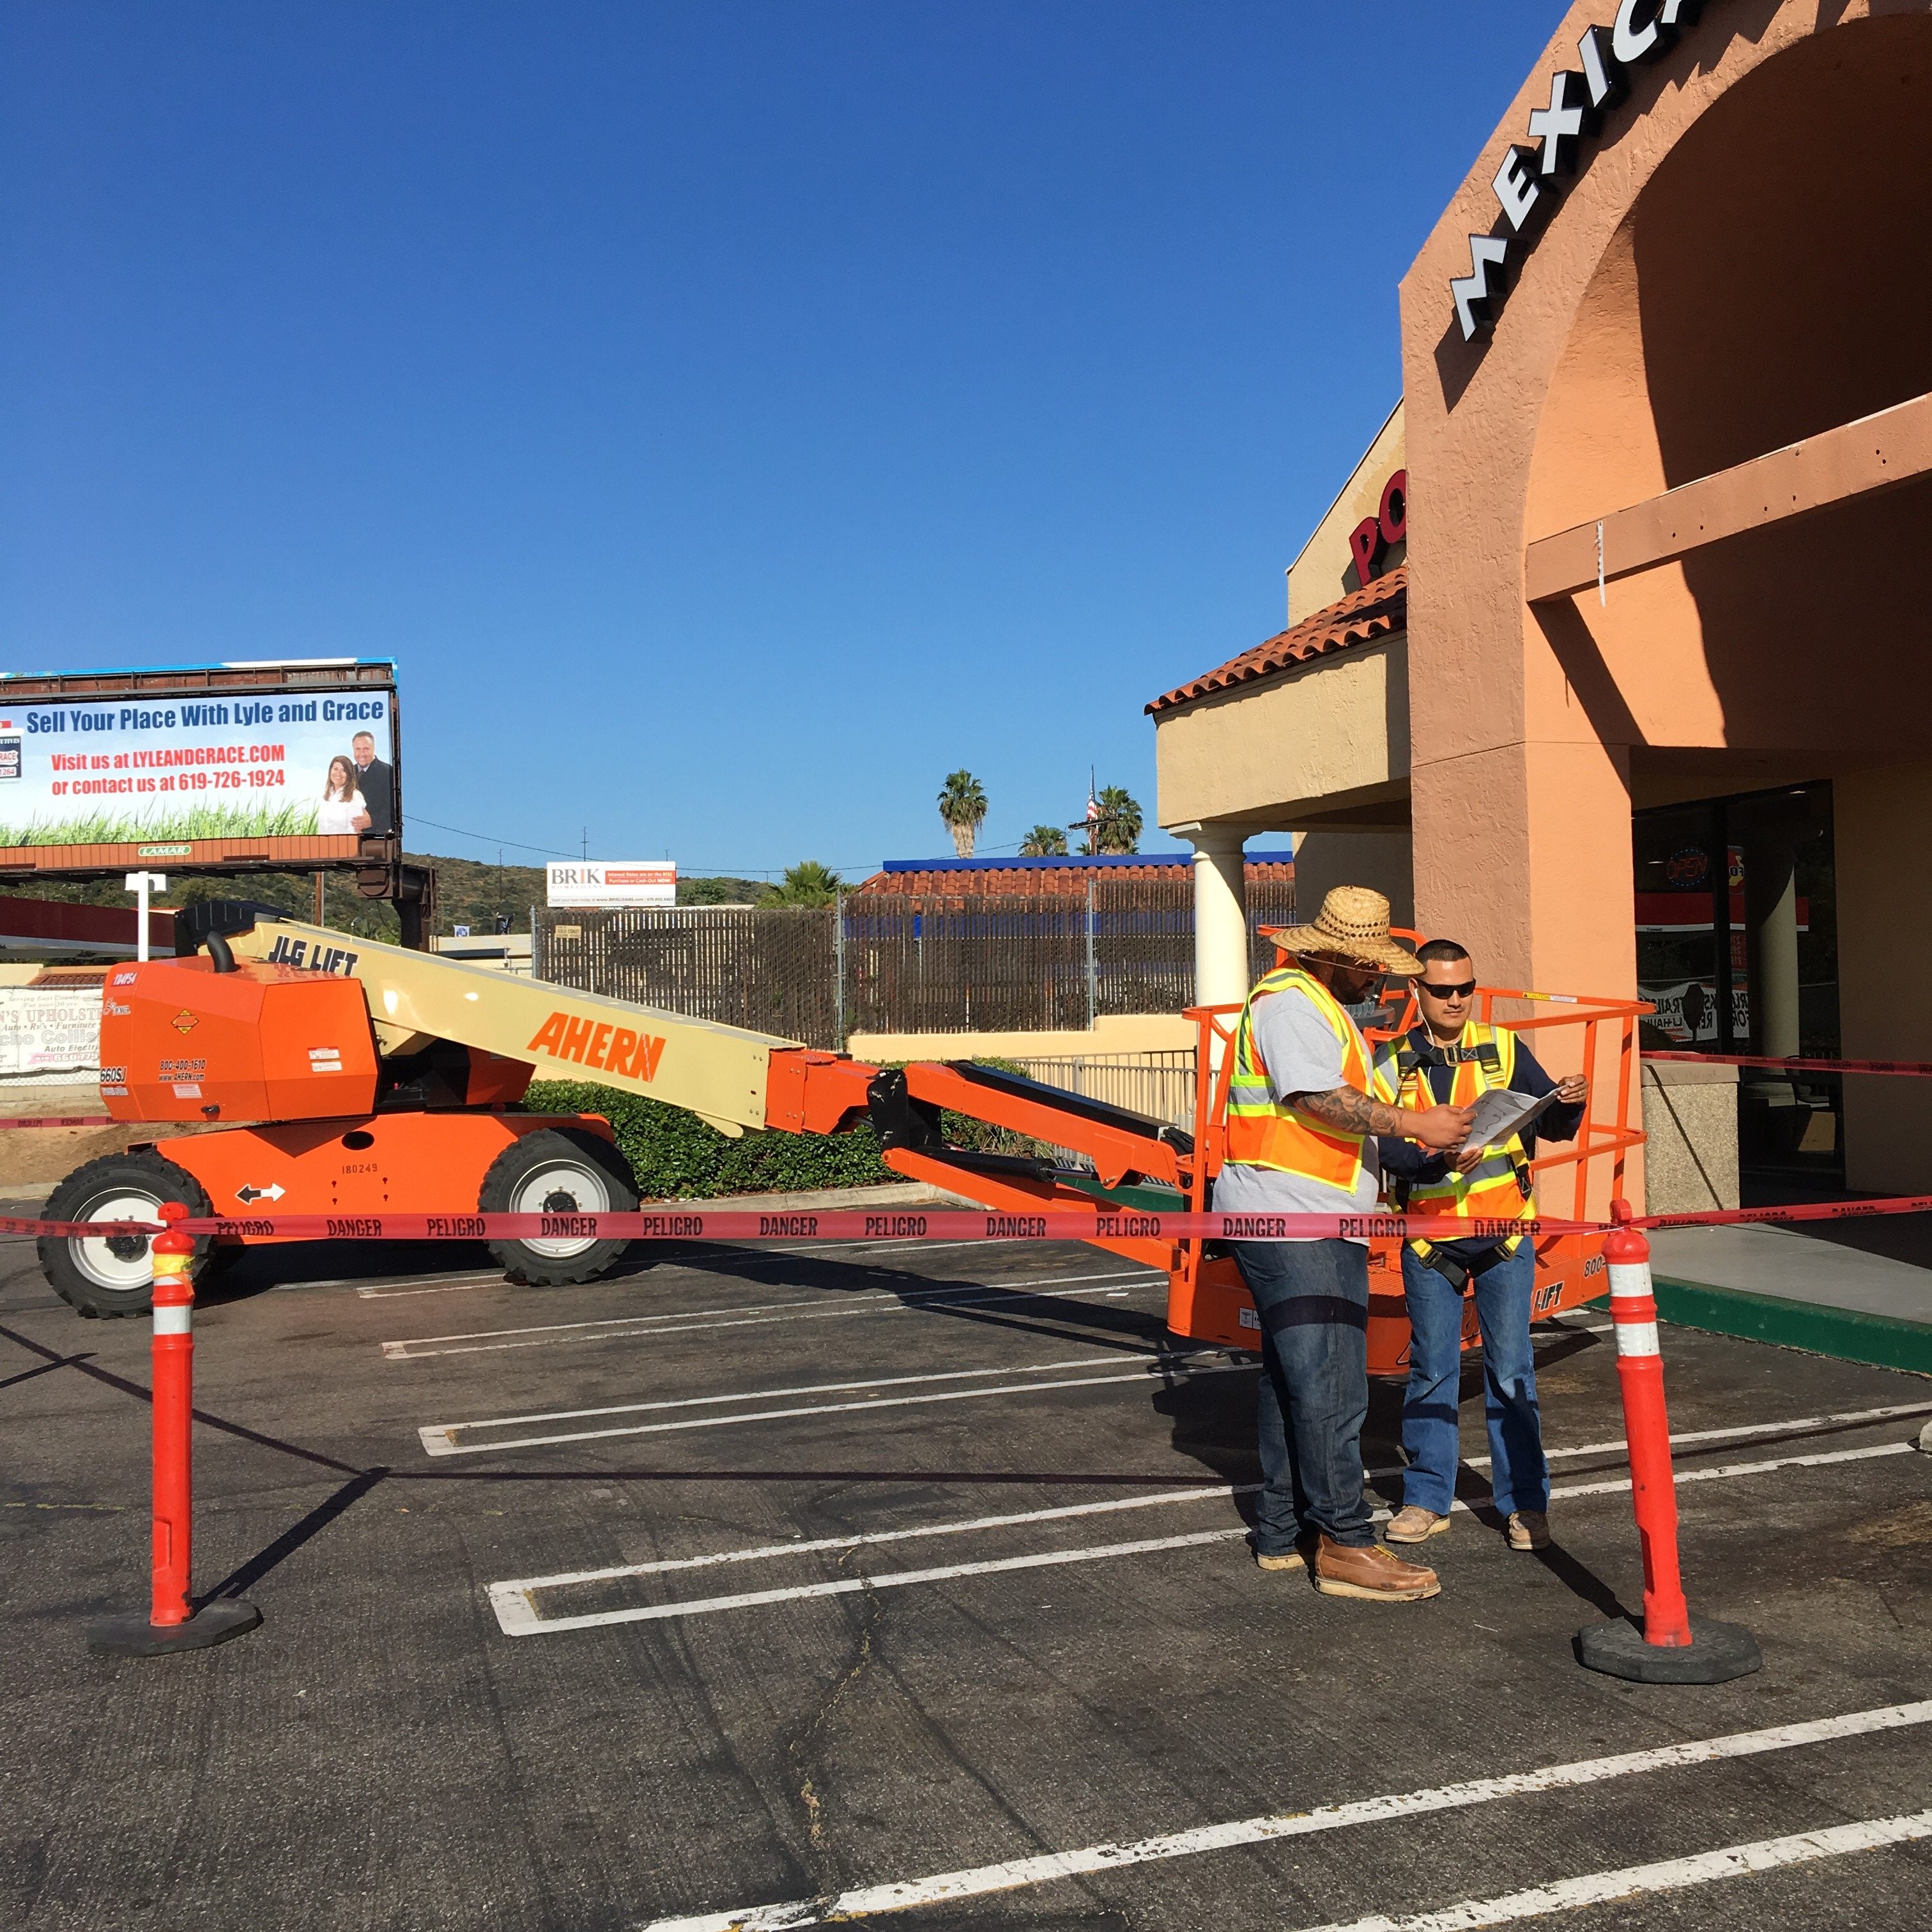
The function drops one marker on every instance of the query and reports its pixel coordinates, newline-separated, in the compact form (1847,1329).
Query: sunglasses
(1460,991)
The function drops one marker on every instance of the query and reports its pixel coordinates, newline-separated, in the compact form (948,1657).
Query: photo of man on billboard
(377,782)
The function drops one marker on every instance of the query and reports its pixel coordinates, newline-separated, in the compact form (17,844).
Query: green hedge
(676,1157)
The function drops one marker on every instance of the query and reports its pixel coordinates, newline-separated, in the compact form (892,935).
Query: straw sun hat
(1352,925)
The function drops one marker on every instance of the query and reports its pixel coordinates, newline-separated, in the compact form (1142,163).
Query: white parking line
(391,1291)
(1679,1437)
(523,1586)
(1566,1895)
(981,1881)
(516,1616)
(755,1315)
(439,1438)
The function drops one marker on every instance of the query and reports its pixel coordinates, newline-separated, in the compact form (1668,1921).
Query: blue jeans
(1519,1475)
(1313,1297)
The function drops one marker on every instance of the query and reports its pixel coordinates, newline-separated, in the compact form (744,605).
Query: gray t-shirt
(1303,1056)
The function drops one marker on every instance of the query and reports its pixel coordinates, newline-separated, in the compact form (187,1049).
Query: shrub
(676,1157)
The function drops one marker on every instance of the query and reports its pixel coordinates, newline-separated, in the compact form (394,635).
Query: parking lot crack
(801,1746)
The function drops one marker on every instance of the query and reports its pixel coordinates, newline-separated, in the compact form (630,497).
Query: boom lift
(362,1077)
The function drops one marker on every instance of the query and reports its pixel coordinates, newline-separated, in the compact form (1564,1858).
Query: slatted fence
(888,963)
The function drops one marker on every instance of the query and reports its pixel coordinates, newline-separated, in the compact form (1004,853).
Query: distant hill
(469,892)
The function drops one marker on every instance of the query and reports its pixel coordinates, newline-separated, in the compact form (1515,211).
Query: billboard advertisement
(632,883)
(287,764)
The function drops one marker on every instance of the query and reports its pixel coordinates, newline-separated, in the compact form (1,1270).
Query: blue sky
(731,417)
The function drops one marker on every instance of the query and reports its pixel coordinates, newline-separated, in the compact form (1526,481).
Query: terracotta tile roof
(1034,877)
(1375,610)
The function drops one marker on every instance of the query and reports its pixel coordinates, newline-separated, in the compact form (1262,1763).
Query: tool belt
(1457,1270)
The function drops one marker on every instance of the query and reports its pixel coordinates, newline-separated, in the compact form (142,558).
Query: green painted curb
(1884,1340)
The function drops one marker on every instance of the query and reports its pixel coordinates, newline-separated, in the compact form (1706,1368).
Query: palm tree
(807,884)
(962,807)
(1119,829)
(1044,841)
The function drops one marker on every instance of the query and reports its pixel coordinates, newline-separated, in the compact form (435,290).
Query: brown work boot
(1528,1529)
(1342,1569)
(1412,1523)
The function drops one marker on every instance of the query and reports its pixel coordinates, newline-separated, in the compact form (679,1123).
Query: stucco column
(1774,914)
(1220,914)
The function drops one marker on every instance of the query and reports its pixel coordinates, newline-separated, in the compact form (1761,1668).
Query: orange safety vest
(1497,1187)
(1264,1132)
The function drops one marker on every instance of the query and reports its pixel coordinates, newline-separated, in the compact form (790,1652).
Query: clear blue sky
(731,417)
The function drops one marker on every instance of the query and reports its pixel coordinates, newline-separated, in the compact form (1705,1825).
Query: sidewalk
(1859,1290)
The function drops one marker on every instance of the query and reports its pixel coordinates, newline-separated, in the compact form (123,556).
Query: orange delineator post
(172,1623)
(1671,1647)
(173,1254)
(1666,1616)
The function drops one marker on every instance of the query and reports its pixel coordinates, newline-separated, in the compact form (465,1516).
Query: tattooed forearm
(1346,1108)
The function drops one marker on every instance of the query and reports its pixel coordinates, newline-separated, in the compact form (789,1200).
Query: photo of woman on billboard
(342,809)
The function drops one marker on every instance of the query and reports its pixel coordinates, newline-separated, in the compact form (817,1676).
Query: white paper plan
(1499,1114)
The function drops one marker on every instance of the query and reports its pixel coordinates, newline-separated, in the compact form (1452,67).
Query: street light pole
(140,884)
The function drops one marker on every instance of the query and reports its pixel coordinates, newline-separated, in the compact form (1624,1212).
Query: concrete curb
(891,1194)
(1850,1334)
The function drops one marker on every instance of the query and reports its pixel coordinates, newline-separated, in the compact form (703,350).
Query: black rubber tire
(65,1260)
(590,1174)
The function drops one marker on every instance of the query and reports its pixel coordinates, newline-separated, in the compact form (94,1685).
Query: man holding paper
(1453,1059)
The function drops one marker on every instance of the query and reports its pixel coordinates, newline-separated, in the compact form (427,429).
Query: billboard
(612,882)
(283,764)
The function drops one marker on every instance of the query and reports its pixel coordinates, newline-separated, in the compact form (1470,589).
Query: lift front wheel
(110,1274)
(554,1172)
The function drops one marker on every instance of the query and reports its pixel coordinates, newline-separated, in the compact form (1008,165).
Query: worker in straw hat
(1305,1107)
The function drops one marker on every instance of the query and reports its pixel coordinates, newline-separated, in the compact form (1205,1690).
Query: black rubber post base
(1716,1653)
(135,1636)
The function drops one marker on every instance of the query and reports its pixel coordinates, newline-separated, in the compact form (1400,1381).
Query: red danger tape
(1921,1067)
(1802,1210)
(738,1224)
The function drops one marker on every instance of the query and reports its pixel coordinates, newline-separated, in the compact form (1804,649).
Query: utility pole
(1093,963)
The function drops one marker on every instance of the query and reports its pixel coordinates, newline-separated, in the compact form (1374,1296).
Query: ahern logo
(614,1049)
(185,1021)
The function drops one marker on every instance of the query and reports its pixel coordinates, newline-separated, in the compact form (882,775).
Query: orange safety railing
(1207,1300)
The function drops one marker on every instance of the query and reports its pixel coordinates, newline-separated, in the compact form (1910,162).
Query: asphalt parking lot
(766,1588)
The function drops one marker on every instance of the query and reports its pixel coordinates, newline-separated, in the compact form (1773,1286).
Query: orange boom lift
(361,1078)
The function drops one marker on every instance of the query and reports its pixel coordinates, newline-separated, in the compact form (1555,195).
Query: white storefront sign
(1528,182)
(50,1035)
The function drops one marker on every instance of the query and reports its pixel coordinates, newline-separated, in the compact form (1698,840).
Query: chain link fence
(881,963)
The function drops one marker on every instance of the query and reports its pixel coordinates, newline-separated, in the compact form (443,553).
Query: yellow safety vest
(1497,1188)
(1264,1132)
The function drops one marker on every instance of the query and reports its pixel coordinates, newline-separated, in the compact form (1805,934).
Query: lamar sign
(1529,180)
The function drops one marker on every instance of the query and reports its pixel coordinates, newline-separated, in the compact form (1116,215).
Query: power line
(484,838)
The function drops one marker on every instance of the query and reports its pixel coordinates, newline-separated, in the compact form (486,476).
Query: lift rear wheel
(555,1171)
(110,1274)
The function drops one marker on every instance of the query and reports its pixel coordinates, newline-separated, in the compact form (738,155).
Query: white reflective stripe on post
(174,1319)
(1637,1338)
(1629,1278)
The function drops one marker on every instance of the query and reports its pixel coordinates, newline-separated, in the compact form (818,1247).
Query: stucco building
(1635,697)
